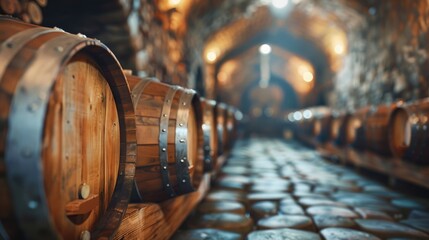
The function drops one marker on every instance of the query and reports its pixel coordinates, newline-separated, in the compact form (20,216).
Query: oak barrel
(67,135)
(323,128)
(376,129)
(221,111)
(169,140)
(408,131)
(231,126)
(356,128)
(340,129)
(210,133)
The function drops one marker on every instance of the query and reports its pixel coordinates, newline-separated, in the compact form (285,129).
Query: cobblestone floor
(272,189)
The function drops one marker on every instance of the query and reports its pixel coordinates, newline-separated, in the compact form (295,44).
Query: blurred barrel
(340,129)
(210,133)
(169,139)
(67,135)
(221,112)
(326,126)
(357,126)
(408,131)
(376,129)
(231,126)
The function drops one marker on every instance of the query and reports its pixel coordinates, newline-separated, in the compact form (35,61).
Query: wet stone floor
(273,189)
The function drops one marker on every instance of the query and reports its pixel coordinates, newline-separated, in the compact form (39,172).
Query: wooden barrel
(408,131)
(221,112)
(169,140)
(324,126)
(320,123)
(376,129)
(356,128)
(231,126)
(67,135)
(210,134)
(341,123)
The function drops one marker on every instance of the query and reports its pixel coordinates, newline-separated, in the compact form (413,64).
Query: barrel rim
(30,207)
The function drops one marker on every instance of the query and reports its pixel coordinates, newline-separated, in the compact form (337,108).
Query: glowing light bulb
(297,116)
(307,114)
(279,3)
(174,2)
(265,49)
(307,76)
(290,117)
(211,56)
(339,48)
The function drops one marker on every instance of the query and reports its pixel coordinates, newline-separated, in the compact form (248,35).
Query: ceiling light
(211,56)
(339,48)
(265,49)
(307,114)
(174,2)
(307,76)
(279,3)
(297,116)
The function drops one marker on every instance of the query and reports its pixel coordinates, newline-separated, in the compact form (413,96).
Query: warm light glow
(174,2)
(222,77)
(265,49)
(307,76)
(339,48)
(211,56)
(279,3)
(307,114)
(305,73)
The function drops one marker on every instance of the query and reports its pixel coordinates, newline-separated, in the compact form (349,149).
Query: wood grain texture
(150,106)
(88,129)
(376,129)
(160,221)
(408,126)
(84,116)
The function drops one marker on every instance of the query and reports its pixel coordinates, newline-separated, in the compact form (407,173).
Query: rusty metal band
(24,141)
(163,141)
(11,46)
(181,142)
(138,91)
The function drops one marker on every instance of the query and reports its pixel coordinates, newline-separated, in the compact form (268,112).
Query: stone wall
(387,57)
